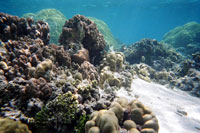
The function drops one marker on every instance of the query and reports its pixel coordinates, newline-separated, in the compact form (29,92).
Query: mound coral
(115,60)
(89,71)
(133,117)
(55,20)
(11,126)
(80,32)
(105,30)
(113,74)
(183,35)
(105,120)
(37,88)
(43,69)
(155,54)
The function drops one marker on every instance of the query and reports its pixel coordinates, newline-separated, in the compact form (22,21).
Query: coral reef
(54,18)
(81,56)
(105,30)
(64,107)
(113,74)
(183,35)
(13,28)
(11,126)
(37,88)
(55,88)
(132,117)
(115,61)
(155,54)
(189,82)
(89,71)
(79,32)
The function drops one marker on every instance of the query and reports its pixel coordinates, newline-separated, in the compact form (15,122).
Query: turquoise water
(129,20)
(137,72)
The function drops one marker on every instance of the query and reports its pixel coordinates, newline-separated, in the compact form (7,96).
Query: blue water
(129,20)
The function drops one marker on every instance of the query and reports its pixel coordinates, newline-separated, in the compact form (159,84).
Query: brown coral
(89,71)
(133,116)
(13,28)
(37,88)
(81,56)
(82,32)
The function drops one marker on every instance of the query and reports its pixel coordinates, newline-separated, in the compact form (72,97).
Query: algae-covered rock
(11,126)
(183,35)
(54,18)
(105,30)
(62,110)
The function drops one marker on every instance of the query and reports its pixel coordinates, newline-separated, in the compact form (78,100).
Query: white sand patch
(169,106)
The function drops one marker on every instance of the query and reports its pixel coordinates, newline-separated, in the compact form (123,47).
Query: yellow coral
(11,126)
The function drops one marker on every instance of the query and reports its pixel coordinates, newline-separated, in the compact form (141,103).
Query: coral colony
(63,79)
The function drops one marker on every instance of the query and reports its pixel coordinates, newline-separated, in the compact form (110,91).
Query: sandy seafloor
(169,105)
